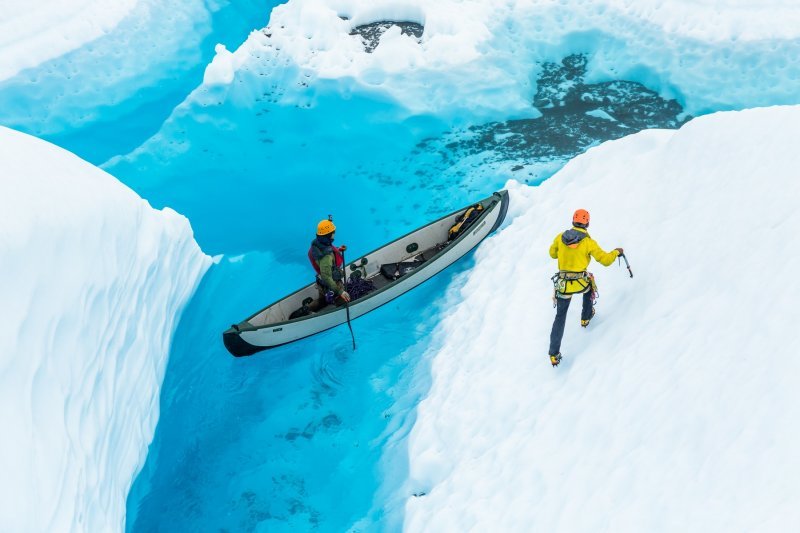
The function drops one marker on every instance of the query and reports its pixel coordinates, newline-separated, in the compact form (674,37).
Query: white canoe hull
(245,339)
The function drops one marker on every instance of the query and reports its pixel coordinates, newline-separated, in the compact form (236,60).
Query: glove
(619,250)
(345,296)
(343,248)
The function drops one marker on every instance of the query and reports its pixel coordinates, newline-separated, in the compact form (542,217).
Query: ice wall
(677,408)
(93,282)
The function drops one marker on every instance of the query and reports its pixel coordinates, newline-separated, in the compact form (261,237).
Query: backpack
(464,221)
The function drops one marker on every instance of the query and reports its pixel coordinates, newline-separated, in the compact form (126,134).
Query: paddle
(346,303)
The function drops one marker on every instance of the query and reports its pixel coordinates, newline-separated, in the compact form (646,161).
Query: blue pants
(562,305)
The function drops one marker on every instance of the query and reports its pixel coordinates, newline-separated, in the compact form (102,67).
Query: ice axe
(626,264)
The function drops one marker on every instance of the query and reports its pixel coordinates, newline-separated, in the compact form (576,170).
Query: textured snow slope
(678,408)
(33,32)
(93,281)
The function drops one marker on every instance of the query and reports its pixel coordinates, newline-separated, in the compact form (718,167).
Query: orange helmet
(325,227)
(581,218)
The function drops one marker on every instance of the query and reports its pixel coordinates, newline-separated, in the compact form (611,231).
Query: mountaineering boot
(555,359)
(585,323)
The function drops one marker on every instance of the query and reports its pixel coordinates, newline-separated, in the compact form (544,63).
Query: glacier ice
(102,89)
(312,91)
(93,283)
(676,409)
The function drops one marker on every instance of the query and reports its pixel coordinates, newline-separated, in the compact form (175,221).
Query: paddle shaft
(346,303)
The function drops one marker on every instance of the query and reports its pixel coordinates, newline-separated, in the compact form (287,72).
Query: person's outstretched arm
(601,256)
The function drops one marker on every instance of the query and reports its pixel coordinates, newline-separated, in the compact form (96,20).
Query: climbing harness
(565,281)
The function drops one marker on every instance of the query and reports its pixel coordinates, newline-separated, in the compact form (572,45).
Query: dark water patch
(257,512)
(371,33)
(575,116)
(329,422)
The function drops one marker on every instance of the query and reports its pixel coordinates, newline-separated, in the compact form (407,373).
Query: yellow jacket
(573,249)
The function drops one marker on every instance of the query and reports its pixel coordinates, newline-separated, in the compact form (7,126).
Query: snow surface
(93,282)
(33,32)
(483,61)
(678,408)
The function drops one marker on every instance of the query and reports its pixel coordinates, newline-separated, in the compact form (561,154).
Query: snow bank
(678,408)
(484,60)
(32,33)
(93,281)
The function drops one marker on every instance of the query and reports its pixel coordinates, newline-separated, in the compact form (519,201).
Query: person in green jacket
(328,262)
(574,249)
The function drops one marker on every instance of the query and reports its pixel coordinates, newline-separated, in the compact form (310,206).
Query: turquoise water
(311,435)
(291,439)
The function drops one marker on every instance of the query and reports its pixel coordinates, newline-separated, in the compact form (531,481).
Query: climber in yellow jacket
(574,249)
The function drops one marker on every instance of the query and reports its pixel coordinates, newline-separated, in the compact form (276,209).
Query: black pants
(562,305)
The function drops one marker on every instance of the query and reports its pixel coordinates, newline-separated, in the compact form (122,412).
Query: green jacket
(326,273)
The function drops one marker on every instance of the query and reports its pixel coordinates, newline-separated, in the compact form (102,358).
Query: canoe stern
(236,345)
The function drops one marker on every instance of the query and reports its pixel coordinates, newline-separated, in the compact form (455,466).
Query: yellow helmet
(325,227)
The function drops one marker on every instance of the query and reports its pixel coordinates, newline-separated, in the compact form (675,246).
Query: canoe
(392,270)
